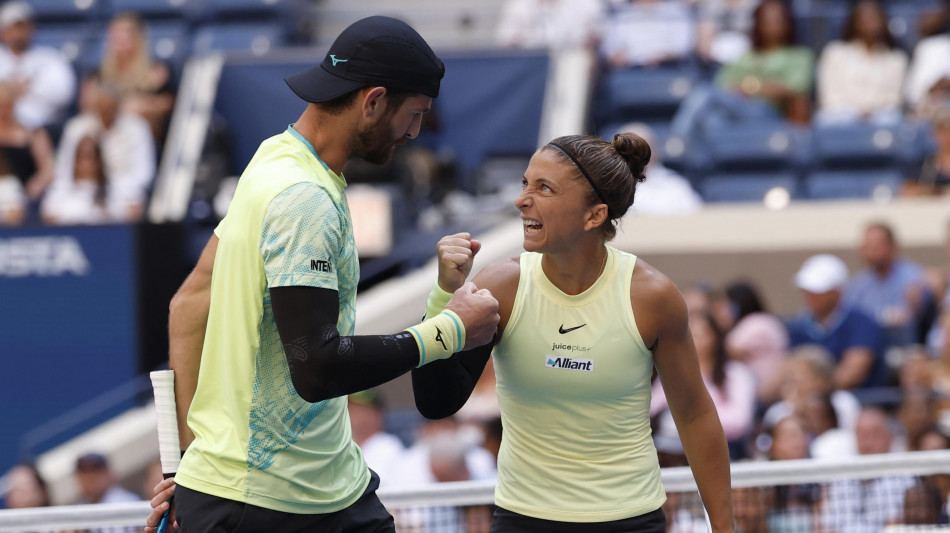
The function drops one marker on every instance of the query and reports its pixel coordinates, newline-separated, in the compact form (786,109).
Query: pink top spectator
(760,341)
(735,400)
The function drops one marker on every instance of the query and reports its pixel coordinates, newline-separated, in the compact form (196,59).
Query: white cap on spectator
(822,273)
(15,11)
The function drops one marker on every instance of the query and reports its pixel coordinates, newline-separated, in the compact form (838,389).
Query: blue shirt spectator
(848,328)
(891,290)
(854,339)
(885,299)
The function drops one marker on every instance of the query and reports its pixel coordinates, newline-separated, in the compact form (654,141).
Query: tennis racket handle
(163,385)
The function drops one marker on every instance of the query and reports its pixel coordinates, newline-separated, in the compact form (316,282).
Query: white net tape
(466,494)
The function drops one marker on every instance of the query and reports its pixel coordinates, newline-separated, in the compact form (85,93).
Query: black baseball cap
(372,51)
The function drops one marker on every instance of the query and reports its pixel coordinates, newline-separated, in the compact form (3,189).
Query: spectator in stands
(447,458)
(664,192)
(915,369)
(416,467)
(934,439)
(551,24)
(827,437)
(940,370)
(774,69)
(647,33)
(751,506)
(866,505)
(758,339)
(809,372)
(44,80)
(793,505)
(934,177)
(26,156)
(891,289)
(938,281)
(855,340)
(382,451)
(704,298)
(923,505)
(86,199)
(128,151)
(917,416)
(933,19)
(26,488)
(860,77)
(723,29)
(97,483)
(730,383)
(928,79)
(789,440)
(145,83)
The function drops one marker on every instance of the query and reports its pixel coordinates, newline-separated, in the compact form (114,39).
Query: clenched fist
(456,253)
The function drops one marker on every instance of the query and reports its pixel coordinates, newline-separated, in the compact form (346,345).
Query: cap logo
(335,60)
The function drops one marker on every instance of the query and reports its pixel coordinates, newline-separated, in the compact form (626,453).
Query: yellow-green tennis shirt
(256,440)
(573,381)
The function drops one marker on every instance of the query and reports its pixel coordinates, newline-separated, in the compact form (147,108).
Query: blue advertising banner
(68,322)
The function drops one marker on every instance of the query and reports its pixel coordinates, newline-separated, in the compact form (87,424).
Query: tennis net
(891,492)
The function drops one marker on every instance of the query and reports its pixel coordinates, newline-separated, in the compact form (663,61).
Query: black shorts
(198,512)
(510,522)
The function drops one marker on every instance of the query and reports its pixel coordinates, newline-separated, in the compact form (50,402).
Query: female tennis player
(582,327)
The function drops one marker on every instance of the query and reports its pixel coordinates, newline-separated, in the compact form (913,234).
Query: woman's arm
(665,328)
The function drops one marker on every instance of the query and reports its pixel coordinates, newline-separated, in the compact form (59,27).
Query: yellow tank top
(573,380)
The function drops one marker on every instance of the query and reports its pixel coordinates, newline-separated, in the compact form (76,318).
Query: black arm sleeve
(441,388)
(325,365)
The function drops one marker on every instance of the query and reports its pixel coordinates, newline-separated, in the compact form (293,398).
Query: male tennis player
(273,327)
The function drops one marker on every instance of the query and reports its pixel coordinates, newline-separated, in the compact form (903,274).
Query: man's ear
(373,101)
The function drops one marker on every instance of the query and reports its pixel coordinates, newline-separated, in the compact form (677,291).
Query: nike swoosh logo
(568,330)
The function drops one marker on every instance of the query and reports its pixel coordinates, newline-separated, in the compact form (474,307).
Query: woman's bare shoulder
(499,275)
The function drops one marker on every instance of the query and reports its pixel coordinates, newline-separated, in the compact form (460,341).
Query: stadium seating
(751,187)
(818,22)
(856,145)
(73,40)
(66,11)
(256,37)
(875,184)
(153,10)
(756,146)
(257,9)
(170,42)
(904,19)
(647,94)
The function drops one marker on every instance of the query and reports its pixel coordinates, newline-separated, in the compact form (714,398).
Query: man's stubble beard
(374,143)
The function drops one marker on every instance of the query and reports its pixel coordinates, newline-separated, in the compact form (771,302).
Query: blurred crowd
(861,369)
(79,147)
(828,63)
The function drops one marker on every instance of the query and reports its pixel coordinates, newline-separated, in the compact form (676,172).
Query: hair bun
(635,151)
